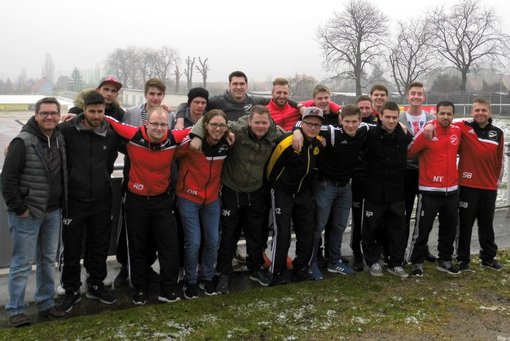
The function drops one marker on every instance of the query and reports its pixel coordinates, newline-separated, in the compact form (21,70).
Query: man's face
(321,100)
(259,125)
(311,126)
(47,117)
(238,88)
(379,97)
(94,115)
(444,115)
(157,125)
(365,107)
(197,106)
(481,113)
(350,124)
(109,92)
(154,97)
(389,119)
(281,94)
(416,96)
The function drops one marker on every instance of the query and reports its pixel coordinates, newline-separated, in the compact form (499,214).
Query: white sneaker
(398,271)
(375,270)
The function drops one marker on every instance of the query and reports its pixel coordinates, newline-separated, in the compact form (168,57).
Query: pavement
(239,281)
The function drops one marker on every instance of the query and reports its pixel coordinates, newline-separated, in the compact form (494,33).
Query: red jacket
(199,178)
(285,116)
(149,172)
(437,159)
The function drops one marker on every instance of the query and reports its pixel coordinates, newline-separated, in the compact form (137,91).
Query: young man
(281,111)
(34,186)
(321,98)
(379,95)
(438,185)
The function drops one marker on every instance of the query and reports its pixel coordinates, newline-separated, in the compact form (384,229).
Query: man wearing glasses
(34,182)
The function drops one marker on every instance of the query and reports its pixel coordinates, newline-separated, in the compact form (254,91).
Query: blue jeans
(33,238)
(200,223)
(335,200)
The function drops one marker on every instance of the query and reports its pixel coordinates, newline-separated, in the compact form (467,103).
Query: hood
(32,128)
(80,126)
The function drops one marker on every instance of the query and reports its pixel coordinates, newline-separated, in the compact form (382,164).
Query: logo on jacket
(492,134)
(368,214)
(192,191)
(463,204)
(316,151)
(454,139)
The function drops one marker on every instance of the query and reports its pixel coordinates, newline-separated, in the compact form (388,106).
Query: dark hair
(349,110)
(445,104)
(237,74)
(363,98)
(46,100)
(413,84)
(93,98)
(379,87)
(156,83)
(320,88)
(213,113)
(259,109)
(390,106)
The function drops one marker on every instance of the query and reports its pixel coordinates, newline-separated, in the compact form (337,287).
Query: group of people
(196,178)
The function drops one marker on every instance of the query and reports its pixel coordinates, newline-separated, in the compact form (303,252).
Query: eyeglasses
(218,125)
(48,113)
(312,125)
(158,125)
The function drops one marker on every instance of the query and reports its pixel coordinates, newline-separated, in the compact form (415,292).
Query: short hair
(481,100)
(280,81)
(93,98)
(413,84)
(155,83)
(237,74)
(46,100)
(363,98)
(259,109)
(390,106)
(208,116)
(445,104)
(350,110)
(320,88)
(156,109)
(379,87)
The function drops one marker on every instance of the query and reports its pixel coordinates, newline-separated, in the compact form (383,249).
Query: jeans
(33,238)
(201,223)
(335,199)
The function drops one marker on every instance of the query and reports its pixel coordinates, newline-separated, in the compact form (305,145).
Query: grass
(437,306)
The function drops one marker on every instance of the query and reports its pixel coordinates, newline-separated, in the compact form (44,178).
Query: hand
(67,117)
(167,108)
(25,214)
(195,144)
(404,128)
(231,138)
(297,140)
(429,131)
(179,123)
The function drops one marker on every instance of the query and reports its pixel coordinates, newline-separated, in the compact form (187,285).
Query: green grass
(337,307)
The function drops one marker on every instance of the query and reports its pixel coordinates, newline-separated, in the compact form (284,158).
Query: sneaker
(168,296)
(278,279)
(398,271)
(61,291)
(71,298)
(54,313)
(208,287)
(19,320)
(493,264)
(430,257)
(375,270)
(464,266)
(300,276)
(122,278)
(190,291)
(446,266)
(358,265)
(139,298)
(98,292)
(262,277)
(222,286)
(341,268)
(315,272)
(417,270)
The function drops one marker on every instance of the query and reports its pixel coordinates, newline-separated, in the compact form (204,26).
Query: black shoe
(168,295)
(53,313)
(190,291)
(19,320)
(448,267)
(70,299)
(122,278)
(223,286)
(98,292)
(208,287)
(430,257)
(358,265)
(262,277)
(278,279)
(493,264)
(417,270)
(463,266)
(300,276)
(139,298)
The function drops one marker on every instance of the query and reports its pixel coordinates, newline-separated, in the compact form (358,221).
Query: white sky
(263,38)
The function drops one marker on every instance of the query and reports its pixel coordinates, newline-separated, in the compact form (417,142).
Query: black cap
(197,92)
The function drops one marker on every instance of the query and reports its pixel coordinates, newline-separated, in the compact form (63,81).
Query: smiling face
(311,126)
(157,124)
(481,112)
(47,118)
(215,129)
(259,125)
(416,96)
(321,100)
(379,97)
(350,124)
(365,107)
(238,87)
(281,94)
(154,97)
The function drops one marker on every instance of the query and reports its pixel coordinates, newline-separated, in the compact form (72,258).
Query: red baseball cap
(110,79)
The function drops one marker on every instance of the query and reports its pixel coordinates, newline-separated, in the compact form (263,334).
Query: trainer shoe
(375,270)
(417,270)
(98,292)
(464,266)
(448,267)
(71,298)
(340,268)
(222,287)
(262,277)
(208,287)
(139,298)
(168,295)
(53,313)
(61,291)
(493,264)
(398,271)
(357,265)
(122,278)
(315,272)
(190,291)
(19,320)
(300,275)
(278,279)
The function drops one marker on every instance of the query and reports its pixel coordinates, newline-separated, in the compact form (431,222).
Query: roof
(30,99)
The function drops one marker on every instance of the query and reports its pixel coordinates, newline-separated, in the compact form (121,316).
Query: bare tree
(122,63)
(302,86)
(411,56)
(203,68)
(188,71)
(166,57)
(177,74)
(351,40)
(146,66)
(468,35)
(48,68)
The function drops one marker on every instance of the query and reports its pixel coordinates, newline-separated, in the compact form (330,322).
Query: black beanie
(197,92)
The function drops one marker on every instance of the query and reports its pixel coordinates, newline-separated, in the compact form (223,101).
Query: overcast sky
(264,38)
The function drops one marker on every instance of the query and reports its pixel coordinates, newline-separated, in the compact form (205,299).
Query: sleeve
(180,134)
(276,161)
(417,145)
(261,100)
(13,166)
(198,129)
(180,111)
(333,107)
(124,130)
(500,157)
(183,148)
